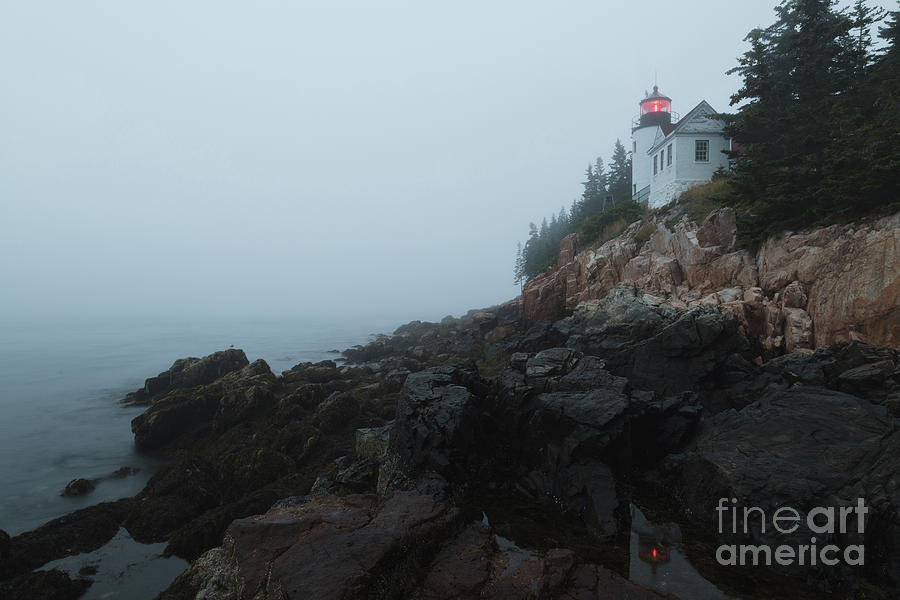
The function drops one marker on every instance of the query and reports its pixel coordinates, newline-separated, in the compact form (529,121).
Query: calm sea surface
(60,383)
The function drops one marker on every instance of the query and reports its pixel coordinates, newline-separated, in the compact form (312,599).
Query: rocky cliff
(507,456)
(489,457)
(799,291)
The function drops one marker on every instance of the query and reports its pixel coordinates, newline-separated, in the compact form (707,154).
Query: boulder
(221,404)
(78,487)
(427,431)
(802,447)
(372,442)
(44,585)
(84,530)
(478,565)
(326,548)
(554,361)
(189,373)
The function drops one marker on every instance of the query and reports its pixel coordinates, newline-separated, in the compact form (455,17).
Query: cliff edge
(799,291)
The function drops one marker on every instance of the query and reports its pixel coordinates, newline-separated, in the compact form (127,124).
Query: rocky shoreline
(498,455)
(430,463)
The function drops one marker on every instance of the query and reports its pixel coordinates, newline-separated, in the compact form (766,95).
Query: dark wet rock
(206,492)
(539,336)
(594,408)
(462,568)
(337,412)
(189,373)
(518,361)
(81,531)
(320,372)
(573,416)
(88,570)
(357,477)
(511,381)
(4,548)
(657,348)
(405,546)
(123,472)
(463,343)
(247,439)
(78,487)
(397,377)
(484,321)
(205,531)
(82,486)
(306,396)
(220,405)
(589,373)
(372,442)
(44,585)
(855,368)
(328,547)
(801,447)
(685,352)
(547,363)
(427,426)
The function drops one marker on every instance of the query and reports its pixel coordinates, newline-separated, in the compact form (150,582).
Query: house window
(654,164)
(634,147)
(669,157)
(633,189)
(701,150)
(661,159)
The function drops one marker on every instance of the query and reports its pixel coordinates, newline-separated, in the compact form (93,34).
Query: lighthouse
(656,113)
(671,155)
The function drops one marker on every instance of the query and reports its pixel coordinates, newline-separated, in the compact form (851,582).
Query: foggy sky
(377,158)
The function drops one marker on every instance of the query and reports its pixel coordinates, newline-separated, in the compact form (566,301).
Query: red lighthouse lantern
(656,109)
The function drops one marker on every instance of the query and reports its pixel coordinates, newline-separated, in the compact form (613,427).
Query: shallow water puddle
(124,569)
(657,561)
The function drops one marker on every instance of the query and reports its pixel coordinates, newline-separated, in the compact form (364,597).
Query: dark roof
(654,96)
(668,128)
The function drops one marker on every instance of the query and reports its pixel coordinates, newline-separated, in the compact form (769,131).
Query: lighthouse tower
(656,114)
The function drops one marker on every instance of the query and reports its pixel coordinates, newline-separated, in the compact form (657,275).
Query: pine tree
(519,275)
(792,75)
(620,174)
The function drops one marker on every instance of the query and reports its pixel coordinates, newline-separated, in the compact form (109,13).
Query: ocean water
(61,382)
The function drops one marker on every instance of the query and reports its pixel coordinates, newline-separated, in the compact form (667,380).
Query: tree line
(817,132)
(819,122)
(605,187)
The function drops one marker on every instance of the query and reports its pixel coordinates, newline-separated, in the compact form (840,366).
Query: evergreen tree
(590,196)
(531,252)
(792,73)
(519,274)
(859,43)
(864,157)
(620,174)
(575,211)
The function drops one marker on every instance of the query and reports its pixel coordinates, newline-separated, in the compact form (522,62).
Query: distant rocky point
(499,454)
(187,373)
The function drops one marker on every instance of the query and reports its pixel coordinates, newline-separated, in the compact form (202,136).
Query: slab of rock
(325,548)
(220,405)
(188,373)
(800,447)
(78,487)
(372,442)
(427,427)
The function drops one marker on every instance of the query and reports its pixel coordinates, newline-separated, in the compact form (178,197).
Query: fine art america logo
(821,520)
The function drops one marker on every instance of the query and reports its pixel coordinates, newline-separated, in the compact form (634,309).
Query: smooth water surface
(60,383)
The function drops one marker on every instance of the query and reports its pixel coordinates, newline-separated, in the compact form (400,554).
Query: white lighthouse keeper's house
(669,156)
